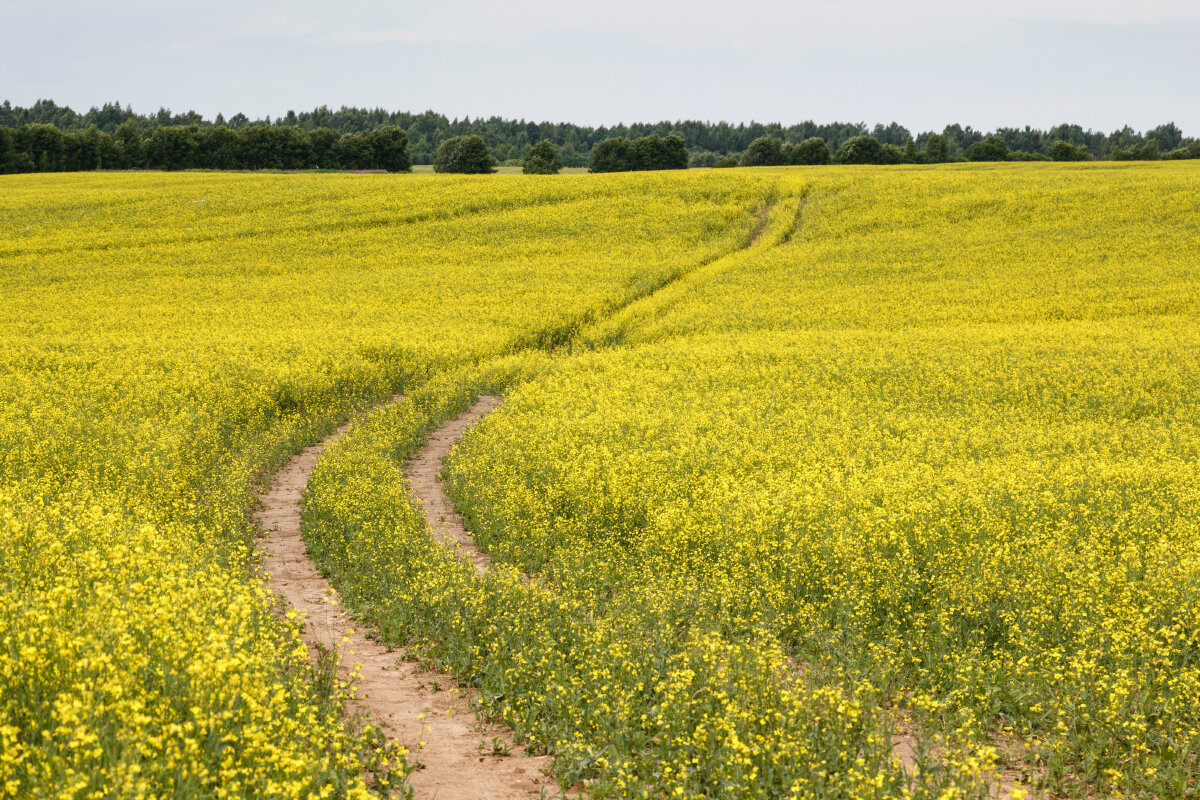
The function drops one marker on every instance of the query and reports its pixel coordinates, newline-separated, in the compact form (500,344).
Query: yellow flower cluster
(168,338)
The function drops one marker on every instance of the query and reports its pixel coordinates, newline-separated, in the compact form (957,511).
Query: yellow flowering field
(167,338)
(792,462)
(939,447)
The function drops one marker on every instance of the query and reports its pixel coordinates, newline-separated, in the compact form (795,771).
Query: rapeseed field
(940,444)
(167,338)
(794,465)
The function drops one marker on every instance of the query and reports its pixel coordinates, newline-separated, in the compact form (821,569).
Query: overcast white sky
(1100,63)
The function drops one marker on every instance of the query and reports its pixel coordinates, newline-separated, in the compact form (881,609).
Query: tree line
(41,147)
(509,140)
(936,148)
(49,137)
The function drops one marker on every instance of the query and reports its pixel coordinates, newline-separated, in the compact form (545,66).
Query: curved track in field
(422,473)
(459,759)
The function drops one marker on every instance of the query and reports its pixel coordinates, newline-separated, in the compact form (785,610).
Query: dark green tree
(937,150)
(812,150)
(891,154)
(1065,151)
(1189,150)
(275,147)
(676,153)
(391,149)
(895,134)
(293,148)
(860,150)
(612,155)
(765,151)
(43,144)
(324,144)
(542,159)
(80,152)
(12,158)
(1168,136)
(220,148)
(356,151)
(650,152)
(128,140)
(171,147)
(992,148)
(466,155)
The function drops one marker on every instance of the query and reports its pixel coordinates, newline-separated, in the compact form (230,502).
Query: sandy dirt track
(396,693)
(422,473)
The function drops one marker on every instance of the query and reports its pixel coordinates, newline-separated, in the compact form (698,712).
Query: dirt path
(422,474)
(407,701)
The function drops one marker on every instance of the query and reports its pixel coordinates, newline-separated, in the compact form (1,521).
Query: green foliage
(993,148)
(542,159)
(726,161)
(391,149)
(269,147)
(655,152)
(465,155)
(612,155)
(128,141)
(1168,136)
(355,151)
(221,148)
(813,150)
(860,150)
(509,139)
(663,145)
(647,153)
(1018,155)
(1189,151)
(765,151)
(891,154)
(12,159)
(44,146)
(1147,152)
(324,145)
(1065,151)
(171,148)
(937,150)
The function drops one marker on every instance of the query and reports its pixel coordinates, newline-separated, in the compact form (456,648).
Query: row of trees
(45,148)
(509,140)
(620,154)
(769,151)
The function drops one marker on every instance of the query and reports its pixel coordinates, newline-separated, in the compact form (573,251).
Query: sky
(1100,63)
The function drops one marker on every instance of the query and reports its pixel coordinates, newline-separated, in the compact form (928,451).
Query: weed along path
(459,758)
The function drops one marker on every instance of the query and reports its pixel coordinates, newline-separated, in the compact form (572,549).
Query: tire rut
(422,473)
(437,727)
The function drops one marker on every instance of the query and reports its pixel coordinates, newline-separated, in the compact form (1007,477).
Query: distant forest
(509,140)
